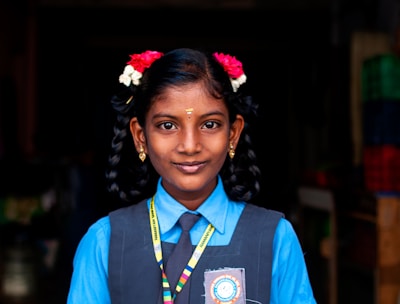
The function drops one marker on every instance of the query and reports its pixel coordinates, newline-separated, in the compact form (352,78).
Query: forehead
(190,96)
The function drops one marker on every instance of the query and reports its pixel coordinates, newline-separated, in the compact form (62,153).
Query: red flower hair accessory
(136,66)
(233,68)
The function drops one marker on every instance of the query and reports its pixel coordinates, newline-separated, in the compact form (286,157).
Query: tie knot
(187,220)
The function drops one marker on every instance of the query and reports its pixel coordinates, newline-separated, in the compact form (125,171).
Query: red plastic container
(382,167)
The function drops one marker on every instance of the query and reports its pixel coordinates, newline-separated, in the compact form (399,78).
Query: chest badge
(225,286)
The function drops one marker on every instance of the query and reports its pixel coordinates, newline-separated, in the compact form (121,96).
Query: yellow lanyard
(155,234)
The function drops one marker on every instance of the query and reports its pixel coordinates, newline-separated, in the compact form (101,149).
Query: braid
(117,144)
(127,177)
(241,175)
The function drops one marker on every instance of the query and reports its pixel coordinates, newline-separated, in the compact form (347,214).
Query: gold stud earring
(231,151)
(142,155)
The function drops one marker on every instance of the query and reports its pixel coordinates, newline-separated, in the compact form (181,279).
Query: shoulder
(129,210)
(258,211)
(94,242)
(261,219)
(99,231)
(286,235)
(130,216)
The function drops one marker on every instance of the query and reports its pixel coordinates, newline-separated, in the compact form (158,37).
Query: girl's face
(187,137)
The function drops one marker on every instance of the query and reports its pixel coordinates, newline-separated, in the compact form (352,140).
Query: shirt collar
(213,209)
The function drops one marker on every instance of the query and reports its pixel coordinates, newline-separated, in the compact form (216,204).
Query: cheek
(158,150)
(219,149)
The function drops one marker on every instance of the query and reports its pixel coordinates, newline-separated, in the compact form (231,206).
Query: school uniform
(253,248)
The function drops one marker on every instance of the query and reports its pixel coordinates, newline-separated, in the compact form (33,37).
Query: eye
(167,125)
(211,125)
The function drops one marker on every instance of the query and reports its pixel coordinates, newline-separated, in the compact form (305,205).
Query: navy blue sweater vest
(135,277)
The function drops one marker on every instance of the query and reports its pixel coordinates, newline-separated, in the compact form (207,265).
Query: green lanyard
(155,233)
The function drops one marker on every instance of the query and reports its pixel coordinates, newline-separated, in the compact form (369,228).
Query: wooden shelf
(366,245)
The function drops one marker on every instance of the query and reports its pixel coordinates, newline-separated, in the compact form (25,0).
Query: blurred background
(325,72)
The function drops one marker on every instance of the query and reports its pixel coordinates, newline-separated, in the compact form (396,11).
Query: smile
(191,167)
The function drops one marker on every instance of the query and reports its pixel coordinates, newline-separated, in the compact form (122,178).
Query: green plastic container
(381,78)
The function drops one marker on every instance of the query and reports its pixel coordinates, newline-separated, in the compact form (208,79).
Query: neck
(191,204)
(192,199)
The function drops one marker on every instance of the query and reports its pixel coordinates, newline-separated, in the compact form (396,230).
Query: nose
(189,141)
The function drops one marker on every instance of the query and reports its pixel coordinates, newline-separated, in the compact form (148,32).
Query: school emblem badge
(225,286)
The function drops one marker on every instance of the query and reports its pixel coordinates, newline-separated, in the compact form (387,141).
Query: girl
(182,145)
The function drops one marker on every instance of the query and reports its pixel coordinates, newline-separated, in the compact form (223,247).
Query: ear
(236,130)
(138,135)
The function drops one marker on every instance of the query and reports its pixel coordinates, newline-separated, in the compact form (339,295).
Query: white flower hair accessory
(233,67)
(133,72)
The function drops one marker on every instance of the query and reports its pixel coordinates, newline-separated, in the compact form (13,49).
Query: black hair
(132,180)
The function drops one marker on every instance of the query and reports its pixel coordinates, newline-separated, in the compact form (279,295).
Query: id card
(225,286)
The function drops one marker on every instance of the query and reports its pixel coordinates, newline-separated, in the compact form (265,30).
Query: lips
(189,167)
